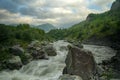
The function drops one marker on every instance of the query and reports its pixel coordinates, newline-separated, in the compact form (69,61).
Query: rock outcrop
(116,61)
(16,50)
(80,62)
(14,63)
(50,50)
(36,50)
(90,17)
(115,5)
(39,54)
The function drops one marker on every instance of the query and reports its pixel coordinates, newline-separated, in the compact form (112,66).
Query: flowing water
(51,69)
(41,70)
(100,53)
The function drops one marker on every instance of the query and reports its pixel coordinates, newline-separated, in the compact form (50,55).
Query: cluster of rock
(80,65)
(35,50)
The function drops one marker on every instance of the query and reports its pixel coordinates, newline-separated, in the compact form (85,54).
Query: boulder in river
(16,50)
(26,58)
(36,50)
(50,50)
(116,61)
(14,63)
(39,54)
(80,62)
(78,44)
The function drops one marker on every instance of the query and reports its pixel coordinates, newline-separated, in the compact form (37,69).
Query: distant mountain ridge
(46,27)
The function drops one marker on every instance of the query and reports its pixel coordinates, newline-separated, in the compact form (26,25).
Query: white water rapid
(51,69)
(100,53)
(41,70)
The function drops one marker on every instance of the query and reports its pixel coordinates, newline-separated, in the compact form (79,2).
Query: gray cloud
(8,5)
(57,12)
(103,4)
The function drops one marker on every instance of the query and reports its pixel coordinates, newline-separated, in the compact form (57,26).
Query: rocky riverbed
(58,61)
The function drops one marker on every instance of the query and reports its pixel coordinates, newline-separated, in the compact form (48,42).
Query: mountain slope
(96,25)
(99,25)
(46,27)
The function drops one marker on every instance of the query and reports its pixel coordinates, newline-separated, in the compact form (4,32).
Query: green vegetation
(57,34)
(22,34)
(96,25)
(99,25)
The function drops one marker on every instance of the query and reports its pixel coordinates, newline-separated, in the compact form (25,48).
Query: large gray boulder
(26,58)
(50,50)
(14,63)
(35,48)
(69,77)
(80,62)
(16,50)
(78,44)
(39,54)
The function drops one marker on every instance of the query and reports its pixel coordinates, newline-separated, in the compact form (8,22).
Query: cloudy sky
(60,13)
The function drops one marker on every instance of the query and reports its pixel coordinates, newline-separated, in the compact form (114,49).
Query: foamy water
(41,70)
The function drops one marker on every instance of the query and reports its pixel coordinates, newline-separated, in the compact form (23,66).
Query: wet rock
(16,50)
(78,44)
(103,78)
(50,50)
(100,71)
(80,62)
(14,63)
(39,54)
(63,48)
(116,61)
(69,77)
(28,57)
(36,50)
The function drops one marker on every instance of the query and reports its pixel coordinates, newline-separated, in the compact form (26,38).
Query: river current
(52,69)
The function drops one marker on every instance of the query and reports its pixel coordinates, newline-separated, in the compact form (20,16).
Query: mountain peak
(46,27)
(90,17)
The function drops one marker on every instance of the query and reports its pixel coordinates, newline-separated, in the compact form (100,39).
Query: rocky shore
(36,50)
(114,62)
(80,62)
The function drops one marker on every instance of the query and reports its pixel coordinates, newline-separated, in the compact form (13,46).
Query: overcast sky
(60,13)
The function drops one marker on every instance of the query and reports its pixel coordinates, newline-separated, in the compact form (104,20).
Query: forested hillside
(106,24)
